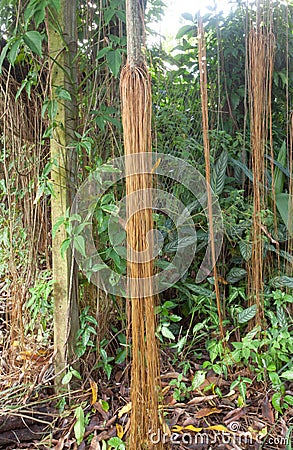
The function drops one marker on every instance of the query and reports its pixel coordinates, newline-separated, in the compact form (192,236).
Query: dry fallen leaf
(60,444)
(124,410)
(166,429)
(234,416)
(94,388)
(177,413)
(204,412)
(119,431)
(173,376)
(218,428)
(267,410)
(189,421)
(197,400)
(179,429)
(192,428)
(95,444)
(98,407)
(166,389)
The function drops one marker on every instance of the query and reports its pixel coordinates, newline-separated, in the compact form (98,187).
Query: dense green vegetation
(253,352)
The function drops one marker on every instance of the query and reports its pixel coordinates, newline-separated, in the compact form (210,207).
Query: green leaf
(64,246)
(114,60)
(105,405)
(33,40)
(284,204)
(186,29)
(3,55)
(112,209)
(244,168)
(39,194)
(288,375)
(288,399)
(79,244)
(180,344)
(116,443)
(108,15)
(187,16)
(75,373)
(233,385)
(98,267)
(60,221)
(276,401)
(121,15)
(63,93)
(13,52)
(175,318)
(29,10)
(282,281)
(200,290)
(247,314)
(103,52)
(198,379)
(108,370)
(67,377)
(235,274)
(219,173)
(40,13)
(79,426)
(242,390)
(245,250)
(120,358)
(275,379)
(118,238)
(282,317)
(186,241)
(55,4)
(167,333)
(279,177)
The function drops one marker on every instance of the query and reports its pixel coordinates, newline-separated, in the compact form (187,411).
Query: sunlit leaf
(67,377)
(288,375)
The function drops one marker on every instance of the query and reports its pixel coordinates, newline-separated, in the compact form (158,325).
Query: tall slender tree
(62,34)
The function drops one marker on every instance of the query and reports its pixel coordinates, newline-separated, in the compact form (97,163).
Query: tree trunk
(62,33)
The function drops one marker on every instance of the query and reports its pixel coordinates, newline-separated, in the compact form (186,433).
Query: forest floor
(33,417)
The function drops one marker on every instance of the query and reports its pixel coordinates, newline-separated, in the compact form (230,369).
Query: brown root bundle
(261,55)
(145,386)
(24,157)
(206,143)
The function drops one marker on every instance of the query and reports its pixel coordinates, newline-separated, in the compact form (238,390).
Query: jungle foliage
(187,316)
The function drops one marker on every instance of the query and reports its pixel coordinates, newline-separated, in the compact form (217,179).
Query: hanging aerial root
(261,54)
(206,143)
(145,374)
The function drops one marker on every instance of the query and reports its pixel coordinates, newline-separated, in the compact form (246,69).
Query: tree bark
(135,29)
(62,33)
